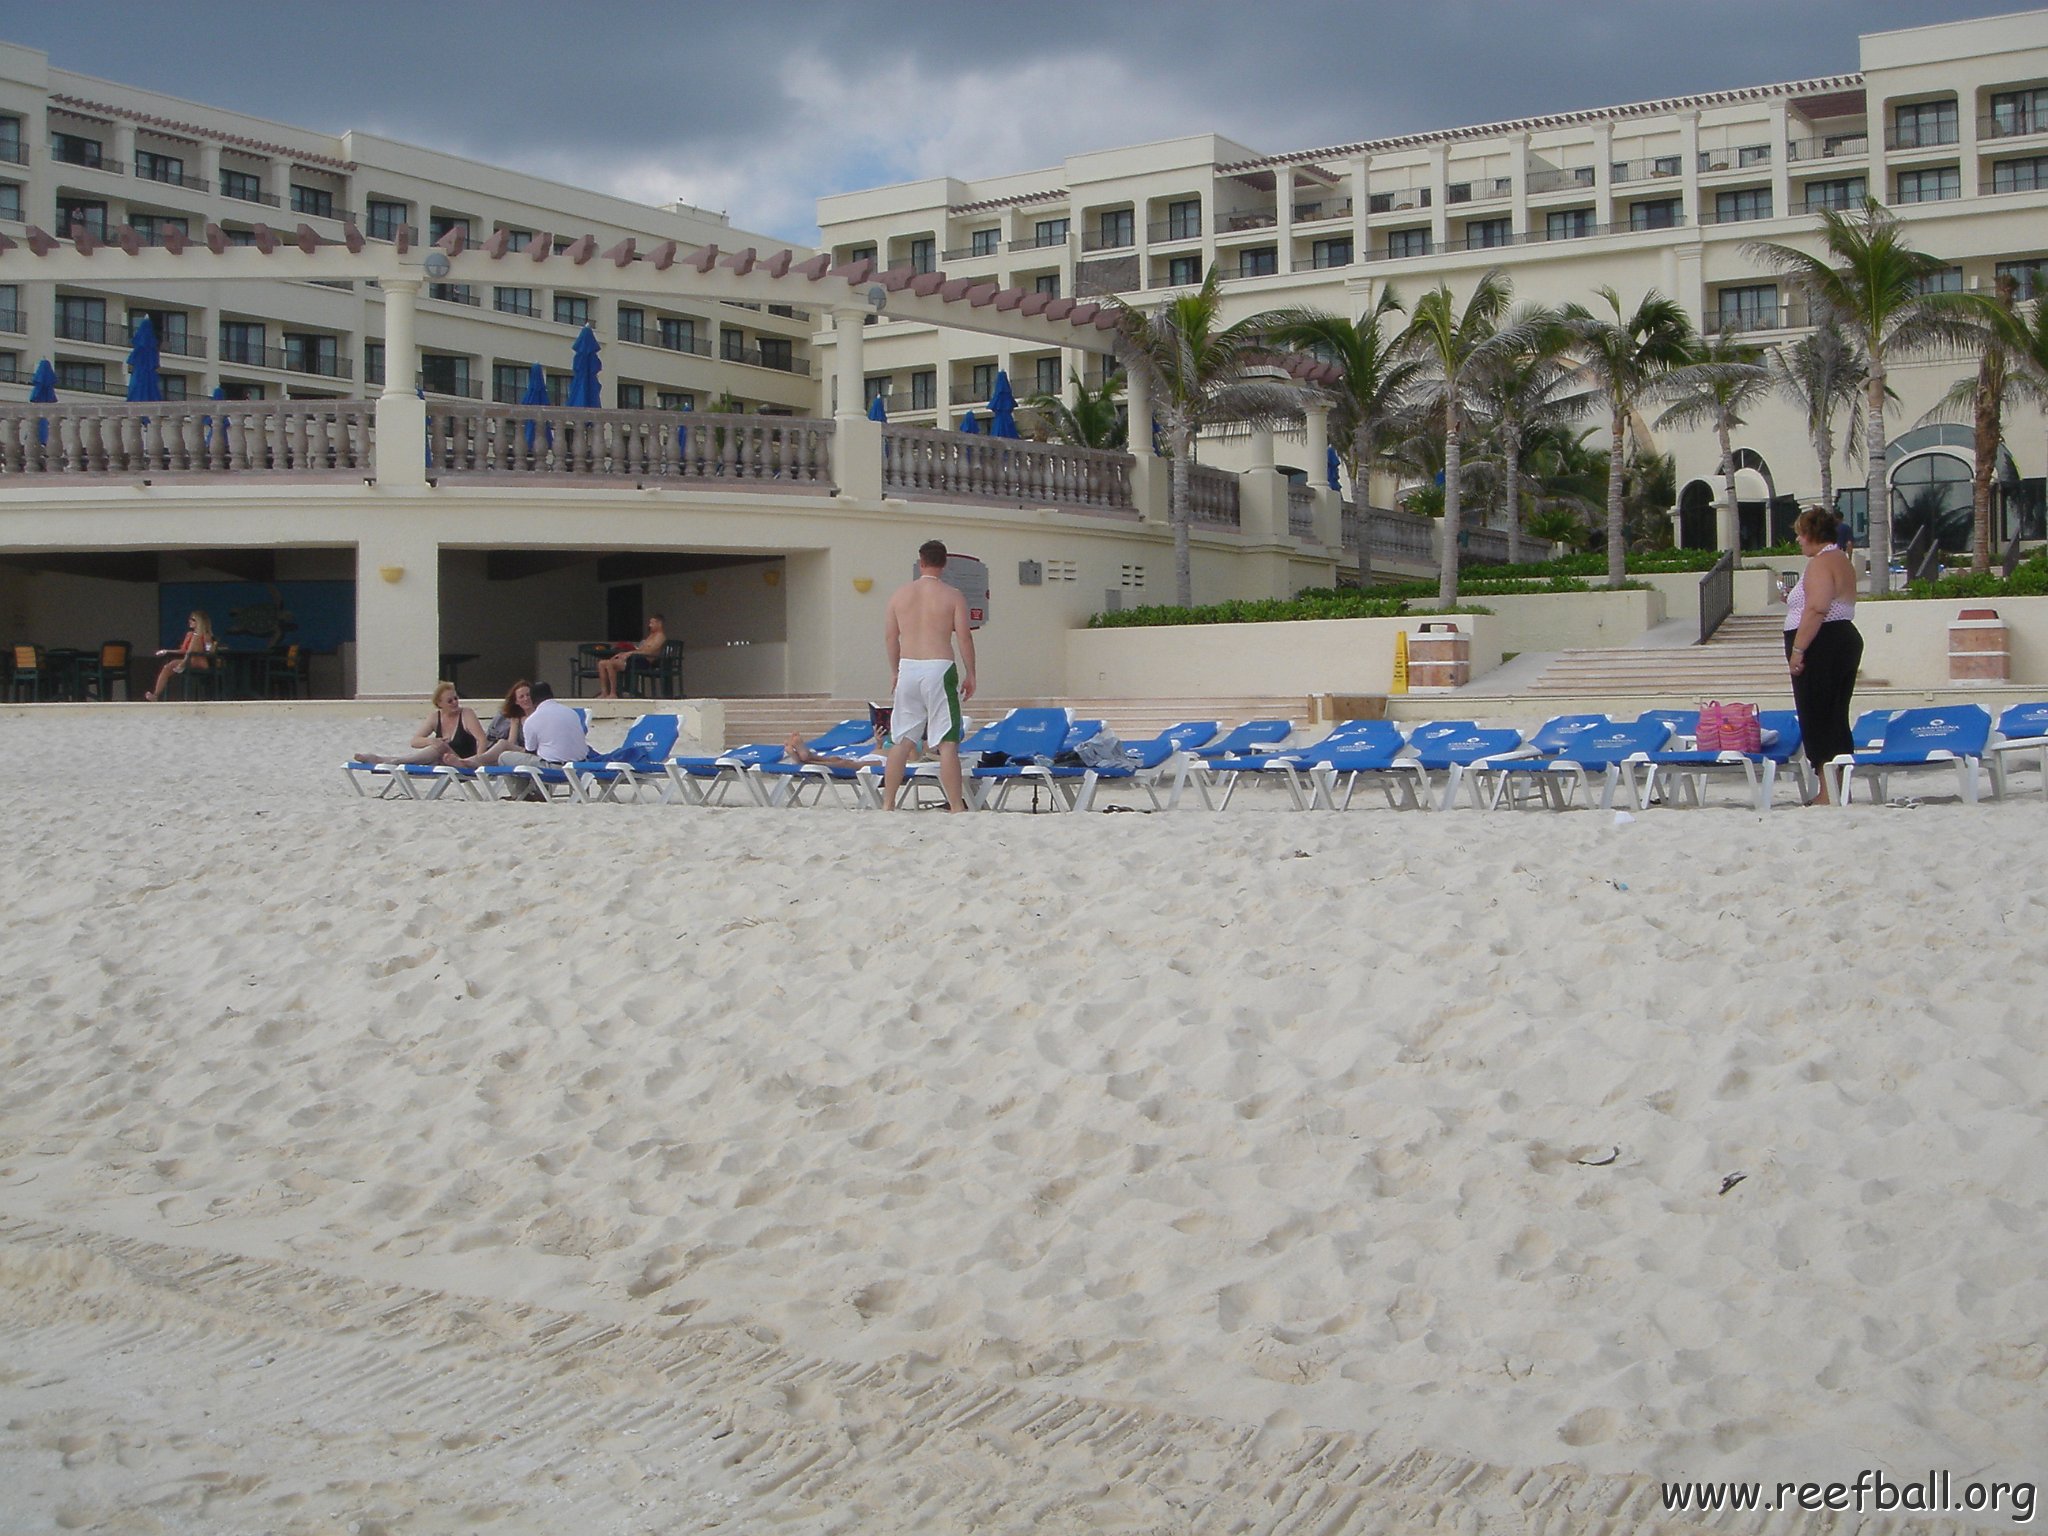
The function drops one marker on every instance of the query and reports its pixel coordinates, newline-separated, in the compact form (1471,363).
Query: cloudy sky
(757,107)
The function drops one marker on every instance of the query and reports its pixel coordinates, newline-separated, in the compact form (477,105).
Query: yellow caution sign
(1400,661)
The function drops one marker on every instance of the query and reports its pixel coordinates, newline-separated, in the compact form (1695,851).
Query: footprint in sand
(1590,1426)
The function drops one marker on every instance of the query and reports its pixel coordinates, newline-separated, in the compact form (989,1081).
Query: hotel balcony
(287,360)
(1921,136)
(1568,179)
(1835,147)
(1481,189)
(1783,317)
(2012,125)
(1656,168)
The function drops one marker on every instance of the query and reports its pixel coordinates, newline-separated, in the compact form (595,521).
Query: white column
(1689,165)
(1781,166)
(398,600)
(848,361)
(1518,206)
(1262,448)
(1439,181)
(1150,489)
(279,179)
(1329,503)
(1603,173)
(1317,445)
(209,169)
(1283,217)
(856,441)
(124,145)
(1361,201)
(401,414)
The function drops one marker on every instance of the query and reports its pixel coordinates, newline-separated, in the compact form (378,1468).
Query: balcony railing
(1481,189)
(1548,180)
(2012,125)
(1212,497)
(1108,240)
(13,322)
(1835,147)
(1747,214)
(1327,261)
(339,215)
(1174,229)
(1785,317)
(922,462)
(267,199)
(1246,218)
(335,437)
(1656,168)
(1920,136)
(13,154)
(171,178)
(695,346)
(116,333)
(771,453)
(969,253)
(1395,535)
(525,308)
(447,386)
(454,293)
(1407,200)
(1319,213)
(1831,200)
(1033,243)
(1741,158)
(286,360)
(86,162)
(967,394)
(754,357)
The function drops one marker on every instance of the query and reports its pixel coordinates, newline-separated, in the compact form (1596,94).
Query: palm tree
(1200,373)
(1724,379)
(1094,420)
(1523,392)
(1448,340)
(1621,359)
(1821,374)
(1871,279)
(2013,364)
(1367,401)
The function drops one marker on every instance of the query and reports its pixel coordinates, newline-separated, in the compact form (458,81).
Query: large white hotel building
(1946,124)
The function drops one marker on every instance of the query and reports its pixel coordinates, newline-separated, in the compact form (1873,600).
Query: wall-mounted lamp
(392,573)
(863,583)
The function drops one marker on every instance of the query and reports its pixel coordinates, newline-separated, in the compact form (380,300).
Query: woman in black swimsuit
(453,727)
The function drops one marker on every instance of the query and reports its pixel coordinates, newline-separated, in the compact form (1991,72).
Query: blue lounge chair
(709,779)
(2021,729)
(641,758)
(400,781)
(1938,737)
(1684,770)
(1451,748)
(1601,748)
(1252,736)
(1027,739)
(1291,766)
(783,780)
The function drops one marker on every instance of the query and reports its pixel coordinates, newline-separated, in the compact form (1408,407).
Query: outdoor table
(67,667)
(243,674)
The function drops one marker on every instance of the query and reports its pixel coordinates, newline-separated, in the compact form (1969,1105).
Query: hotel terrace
(369,312)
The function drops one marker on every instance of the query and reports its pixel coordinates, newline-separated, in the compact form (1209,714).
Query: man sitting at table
(611,668)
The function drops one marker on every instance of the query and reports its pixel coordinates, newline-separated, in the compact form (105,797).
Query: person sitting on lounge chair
(506,732)
(611,668)
(551,734)
(452,728)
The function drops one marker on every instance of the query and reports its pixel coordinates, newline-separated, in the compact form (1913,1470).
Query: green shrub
(2029,580)
(1641,562)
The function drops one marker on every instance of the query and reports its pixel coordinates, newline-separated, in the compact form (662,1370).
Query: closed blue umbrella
(1002,407)
(144,382)
(878,409)
(583,386)
(969,425)
(1332,471)
(536,394)
(42,390)
(206,422)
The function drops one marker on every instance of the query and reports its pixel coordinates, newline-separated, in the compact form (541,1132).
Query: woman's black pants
(1821,690)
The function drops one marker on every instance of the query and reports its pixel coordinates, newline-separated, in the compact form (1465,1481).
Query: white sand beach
(387,1168)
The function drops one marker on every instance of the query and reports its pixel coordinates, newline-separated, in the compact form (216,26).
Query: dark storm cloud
(760,108)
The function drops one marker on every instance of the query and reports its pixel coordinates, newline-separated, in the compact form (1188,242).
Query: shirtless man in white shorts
(925,618)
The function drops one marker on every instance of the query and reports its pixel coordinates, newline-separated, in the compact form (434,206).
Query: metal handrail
(1717,595)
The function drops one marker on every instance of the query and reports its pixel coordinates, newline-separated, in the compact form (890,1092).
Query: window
(984,380)
(1330,253)
(2029,277)
(1118,228)
(10,308)
(1930,122)
(312,354)
(10,201)
(1568,224)
(1047,370)
(632,397)
(235,390)
(778,352)
(861,253)
(1260,261)
(676,400)
(241,185)
(79,210)
(175,386)
(1664,165)
(924,390)
(1051,232)
(1753,154)
(452,293)
(1749,309)
(508,383)
(154,226)
(170,325)
(373,362)
(239,236)
(315,201)
(514,301)
(1047,283)
(385,219)
(1184,271)
(91,377)
(1664,213)
(10,141)
(923,256)
(441,375)
(632,324)
(80,319)
(241,341)
(572,309)
(151,166)
(1408,242)
(1947,280)
(1184,219)
(2019,112)
(438,225)
(985,242)
(1930,186)
(732,345)
(1847,193)
(518,239)
(678,334)
(1485,234)
(1742,205)
(74,149)
(877,387)
(2020,175)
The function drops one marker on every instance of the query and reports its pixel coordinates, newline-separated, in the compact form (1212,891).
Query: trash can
(1979,650)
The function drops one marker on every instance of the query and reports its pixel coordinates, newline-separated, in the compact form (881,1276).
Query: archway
(1696,514)
(1931,494)
(1754,493)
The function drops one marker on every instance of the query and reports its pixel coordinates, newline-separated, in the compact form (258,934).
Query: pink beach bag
(1729,728)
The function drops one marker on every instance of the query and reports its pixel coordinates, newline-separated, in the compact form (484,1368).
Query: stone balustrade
(172,437)
(535,441)
(1301,512)
(920,462)
(1212,496)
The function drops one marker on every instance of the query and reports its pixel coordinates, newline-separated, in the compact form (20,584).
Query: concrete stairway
(774,718)
(1745,658)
